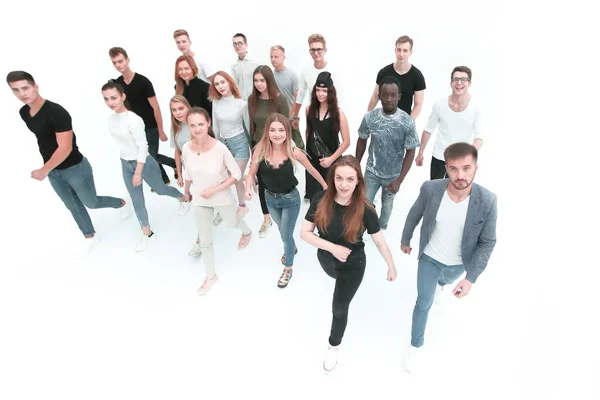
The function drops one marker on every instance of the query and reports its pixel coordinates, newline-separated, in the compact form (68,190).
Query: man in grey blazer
(458,234)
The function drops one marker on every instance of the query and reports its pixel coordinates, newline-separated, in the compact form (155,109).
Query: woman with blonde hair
(265,100)
(209,173)
(275,157)
(180,135)
(230,124)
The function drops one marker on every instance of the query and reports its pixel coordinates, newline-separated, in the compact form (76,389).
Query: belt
(278,194)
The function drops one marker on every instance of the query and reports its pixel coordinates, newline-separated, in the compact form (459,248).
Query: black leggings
(153,142)
(261,187)
(348,277)
(438,169)
(261,194)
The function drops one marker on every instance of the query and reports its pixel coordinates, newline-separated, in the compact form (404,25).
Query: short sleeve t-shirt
(390,136)
(288,83)
(138,92)
(410,82)
(51,118)
(335,230)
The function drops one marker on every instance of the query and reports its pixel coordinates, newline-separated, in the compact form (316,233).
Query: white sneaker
(208,282)
(88,245)
(331,357)
(184,207)
(126,211)
(196,251)
(217,220)
(411,358)
(145,242)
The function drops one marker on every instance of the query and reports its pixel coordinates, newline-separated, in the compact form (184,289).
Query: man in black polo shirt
(142,99)
(68,171)
(412,81)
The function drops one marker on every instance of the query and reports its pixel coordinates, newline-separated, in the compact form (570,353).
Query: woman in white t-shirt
(210,171)
(127,129)
(230,126)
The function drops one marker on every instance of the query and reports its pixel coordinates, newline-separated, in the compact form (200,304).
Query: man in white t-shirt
(457,118)
(458,235)
(182,39)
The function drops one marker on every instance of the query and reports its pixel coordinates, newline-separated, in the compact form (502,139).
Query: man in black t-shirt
(412,82)
(142,100)
(68,171)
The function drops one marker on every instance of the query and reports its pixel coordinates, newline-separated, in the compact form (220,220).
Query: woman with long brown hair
(188,85)
(341,215)
(324,123)
(275,159)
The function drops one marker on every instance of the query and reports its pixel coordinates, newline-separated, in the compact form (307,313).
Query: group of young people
(240,130)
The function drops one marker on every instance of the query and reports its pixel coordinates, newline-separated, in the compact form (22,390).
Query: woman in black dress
(324,123)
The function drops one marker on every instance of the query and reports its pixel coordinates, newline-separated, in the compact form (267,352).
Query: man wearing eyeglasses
(458,119)
(242,71)
(317,47)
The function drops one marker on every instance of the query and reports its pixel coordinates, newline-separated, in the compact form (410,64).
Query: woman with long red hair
(341,215)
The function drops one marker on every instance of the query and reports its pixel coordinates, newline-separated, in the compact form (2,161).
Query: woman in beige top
(210,171)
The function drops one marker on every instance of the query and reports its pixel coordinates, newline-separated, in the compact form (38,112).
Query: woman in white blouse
(127,129)
(210,171)
(230,126)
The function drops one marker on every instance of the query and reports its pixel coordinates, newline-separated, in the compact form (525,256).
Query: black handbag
(317,146)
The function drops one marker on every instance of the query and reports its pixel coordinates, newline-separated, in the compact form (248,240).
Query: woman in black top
(275,157)
(341,215)
(326,121)
(187,84)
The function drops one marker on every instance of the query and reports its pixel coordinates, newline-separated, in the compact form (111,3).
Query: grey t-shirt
(182,137)
(287,81)
(390,136)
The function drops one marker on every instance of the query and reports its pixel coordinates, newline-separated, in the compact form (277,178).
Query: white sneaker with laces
(126,211)
(184,207)
(196,251)
(331,358)
(208,282)
(88,245)
(411,358)
(145,242)
(217,220)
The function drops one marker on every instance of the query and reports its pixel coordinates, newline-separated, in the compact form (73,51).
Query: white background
(122,325)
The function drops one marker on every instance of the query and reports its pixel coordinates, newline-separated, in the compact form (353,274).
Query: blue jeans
(284,209)
(239,146)
(151,175)
(373,184)
(430,274)
(75,187)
